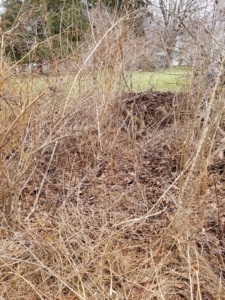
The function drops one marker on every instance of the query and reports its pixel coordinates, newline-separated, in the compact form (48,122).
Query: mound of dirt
(151,108)
(107,202)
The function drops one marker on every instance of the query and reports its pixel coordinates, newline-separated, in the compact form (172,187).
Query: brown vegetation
(97,208)
(108,194)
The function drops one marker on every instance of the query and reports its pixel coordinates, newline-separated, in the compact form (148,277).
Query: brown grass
(110,196)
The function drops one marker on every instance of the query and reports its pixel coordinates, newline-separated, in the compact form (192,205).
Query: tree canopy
(61,23)
(31,22)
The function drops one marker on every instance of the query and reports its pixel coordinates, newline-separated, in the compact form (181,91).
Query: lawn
(174,79)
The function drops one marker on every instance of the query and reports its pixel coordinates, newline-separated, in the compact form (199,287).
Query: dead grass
(96,214)
(110,195)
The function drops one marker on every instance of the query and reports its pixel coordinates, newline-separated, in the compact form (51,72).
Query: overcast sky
(2,9)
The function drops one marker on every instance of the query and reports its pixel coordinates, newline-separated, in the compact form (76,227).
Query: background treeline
(51,28)
(48,30)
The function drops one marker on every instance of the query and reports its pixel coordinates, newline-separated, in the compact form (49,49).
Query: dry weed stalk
(101,213)
(194,186)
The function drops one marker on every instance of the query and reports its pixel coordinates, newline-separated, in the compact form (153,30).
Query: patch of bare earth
(101,225)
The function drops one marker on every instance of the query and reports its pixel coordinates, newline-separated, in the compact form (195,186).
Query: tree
(172,18)
(61,23)
(125,5)
(32,22)
(17,34)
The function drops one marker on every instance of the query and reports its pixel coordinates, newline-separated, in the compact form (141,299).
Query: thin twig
(42,183)
(218,210)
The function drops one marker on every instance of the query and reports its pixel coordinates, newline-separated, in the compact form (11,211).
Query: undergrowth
(106,193)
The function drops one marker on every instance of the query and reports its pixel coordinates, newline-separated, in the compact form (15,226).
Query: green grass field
(173,80)
(162,80)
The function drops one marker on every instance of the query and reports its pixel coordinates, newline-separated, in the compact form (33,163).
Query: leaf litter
(91,235)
